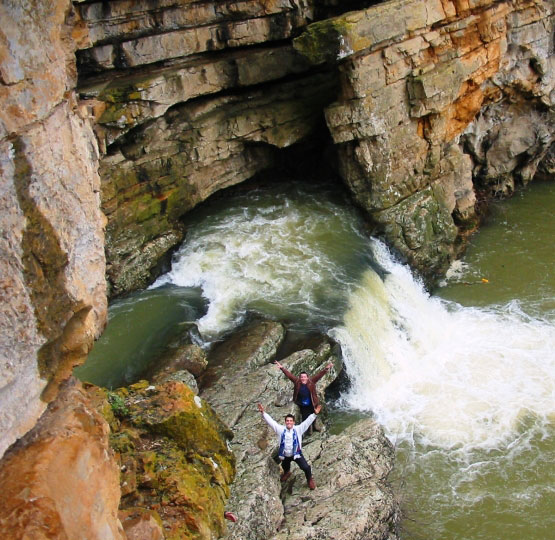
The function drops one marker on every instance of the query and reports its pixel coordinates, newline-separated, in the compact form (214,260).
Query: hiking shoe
(311,484)
(285,476)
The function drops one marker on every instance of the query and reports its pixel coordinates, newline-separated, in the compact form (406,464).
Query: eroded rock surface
(52,263)
(61,480)
(422,83)
(175,464)
(352,465)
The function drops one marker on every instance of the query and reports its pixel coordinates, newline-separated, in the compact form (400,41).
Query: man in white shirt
(290,438)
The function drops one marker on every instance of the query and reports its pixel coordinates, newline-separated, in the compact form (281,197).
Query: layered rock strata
(189,98)
(436,97)
(52,264)
(192,97)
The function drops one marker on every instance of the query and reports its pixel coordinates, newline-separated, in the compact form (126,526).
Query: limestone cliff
(191,97)
(53,294)
(439,99)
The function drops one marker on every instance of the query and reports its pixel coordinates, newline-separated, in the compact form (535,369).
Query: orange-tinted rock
(61,481)
(141,524)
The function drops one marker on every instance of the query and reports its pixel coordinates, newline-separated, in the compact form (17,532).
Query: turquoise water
(139,328)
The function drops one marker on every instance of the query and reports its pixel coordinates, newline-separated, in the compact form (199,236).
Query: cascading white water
(429,369)
(448,375)
(466,392)
(287,253)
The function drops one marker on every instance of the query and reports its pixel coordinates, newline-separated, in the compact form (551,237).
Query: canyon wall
(427,103)
(439,101)
(53,292)
(117,118)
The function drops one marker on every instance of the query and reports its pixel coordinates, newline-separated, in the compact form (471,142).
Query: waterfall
(447,375)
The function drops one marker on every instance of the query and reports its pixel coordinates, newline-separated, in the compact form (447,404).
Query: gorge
(119,118)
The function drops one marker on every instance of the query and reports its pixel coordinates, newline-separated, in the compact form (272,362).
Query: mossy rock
(323,41)
(173,455)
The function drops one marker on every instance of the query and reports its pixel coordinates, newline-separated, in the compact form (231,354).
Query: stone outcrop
(61,480)
(52,264)
(172,450)
(346,467)
(437,97)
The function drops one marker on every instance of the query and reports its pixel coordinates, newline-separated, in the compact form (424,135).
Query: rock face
(435,96)
(189,98)
(347,467)
(52,264)
(172,451)
(60,480)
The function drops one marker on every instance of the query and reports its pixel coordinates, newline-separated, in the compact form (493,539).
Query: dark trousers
(301,462)
(306,411)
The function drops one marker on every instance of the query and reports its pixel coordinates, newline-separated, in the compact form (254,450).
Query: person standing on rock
(304,391)
(290,439)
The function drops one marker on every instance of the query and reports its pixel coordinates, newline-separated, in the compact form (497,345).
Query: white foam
(287,255)
(449,375)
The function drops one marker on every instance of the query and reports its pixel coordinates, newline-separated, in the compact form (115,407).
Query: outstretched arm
(286,372)
(320,374)
(270,421)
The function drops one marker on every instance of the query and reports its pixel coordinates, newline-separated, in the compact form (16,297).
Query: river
(463,380)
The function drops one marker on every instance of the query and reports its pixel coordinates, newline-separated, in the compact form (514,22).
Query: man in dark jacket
(304,392)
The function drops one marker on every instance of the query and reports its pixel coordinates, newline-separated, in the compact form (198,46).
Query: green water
(139,328)
(298,255)
(506,493)
(289,251)
(515,252)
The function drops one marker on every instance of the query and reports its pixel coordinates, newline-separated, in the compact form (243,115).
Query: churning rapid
(448,375)
(467,393)
(292,254)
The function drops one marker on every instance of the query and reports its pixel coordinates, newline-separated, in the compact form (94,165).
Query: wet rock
(421,84)
(178,357)
(344,466)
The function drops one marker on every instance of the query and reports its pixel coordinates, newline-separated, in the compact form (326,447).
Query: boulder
(173,454)
(354,464)
(62,480)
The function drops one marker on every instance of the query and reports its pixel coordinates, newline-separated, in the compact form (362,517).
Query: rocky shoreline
(353,465)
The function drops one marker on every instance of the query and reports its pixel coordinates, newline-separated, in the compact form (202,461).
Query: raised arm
(270,421)
(286,372)
(320,374)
